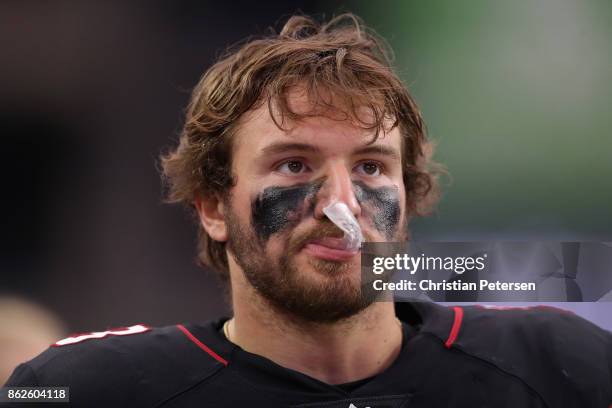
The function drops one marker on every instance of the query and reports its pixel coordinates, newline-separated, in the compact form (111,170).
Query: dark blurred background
(516,94)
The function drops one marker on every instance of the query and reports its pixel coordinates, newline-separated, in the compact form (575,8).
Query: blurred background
(516,94)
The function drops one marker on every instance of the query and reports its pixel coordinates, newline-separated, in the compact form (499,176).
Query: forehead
(328,128)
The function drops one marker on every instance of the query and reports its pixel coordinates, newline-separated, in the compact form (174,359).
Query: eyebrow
(379,149)
(281,147)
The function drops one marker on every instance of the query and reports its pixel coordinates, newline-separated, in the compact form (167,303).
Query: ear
(211,213)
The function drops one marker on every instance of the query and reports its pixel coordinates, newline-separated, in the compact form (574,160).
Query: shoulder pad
(558,354)
(129,366)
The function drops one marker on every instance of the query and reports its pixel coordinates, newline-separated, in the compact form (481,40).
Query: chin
(323,269)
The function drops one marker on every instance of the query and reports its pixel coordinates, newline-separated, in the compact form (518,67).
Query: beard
(334,295)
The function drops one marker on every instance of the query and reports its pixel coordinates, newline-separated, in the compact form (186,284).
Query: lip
(331,249)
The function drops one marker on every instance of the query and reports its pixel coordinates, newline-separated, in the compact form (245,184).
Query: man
(276,134)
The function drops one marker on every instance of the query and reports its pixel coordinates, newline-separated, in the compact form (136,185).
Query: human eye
(369,168)
(292,166)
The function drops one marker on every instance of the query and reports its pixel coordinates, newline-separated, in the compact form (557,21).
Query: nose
(337,186)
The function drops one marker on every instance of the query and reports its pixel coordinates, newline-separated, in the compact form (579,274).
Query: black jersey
(450,357)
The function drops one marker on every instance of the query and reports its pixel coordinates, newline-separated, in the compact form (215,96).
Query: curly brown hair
(342,58)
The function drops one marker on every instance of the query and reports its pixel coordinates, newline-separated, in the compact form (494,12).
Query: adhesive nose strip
(343,218)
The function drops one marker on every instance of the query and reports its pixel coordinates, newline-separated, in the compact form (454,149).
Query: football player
(296,147)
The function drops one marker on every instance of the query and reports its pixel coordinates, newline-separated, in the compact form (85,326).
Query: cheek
(381,205)
(277,208)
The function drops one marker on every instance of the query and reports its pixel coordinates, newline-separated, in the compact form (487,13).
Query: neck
(349,350)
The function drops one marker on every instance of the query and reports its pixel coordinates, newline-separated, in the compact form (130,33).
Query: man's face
(278,234)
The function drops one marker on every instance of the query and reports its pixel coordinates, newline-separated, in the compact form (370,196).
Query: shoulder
(129,366)
(541,329)
(560,355)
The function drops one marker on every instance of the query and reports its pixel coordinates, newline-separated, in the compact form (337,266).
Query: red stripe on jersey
(456,327)
(201,345)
